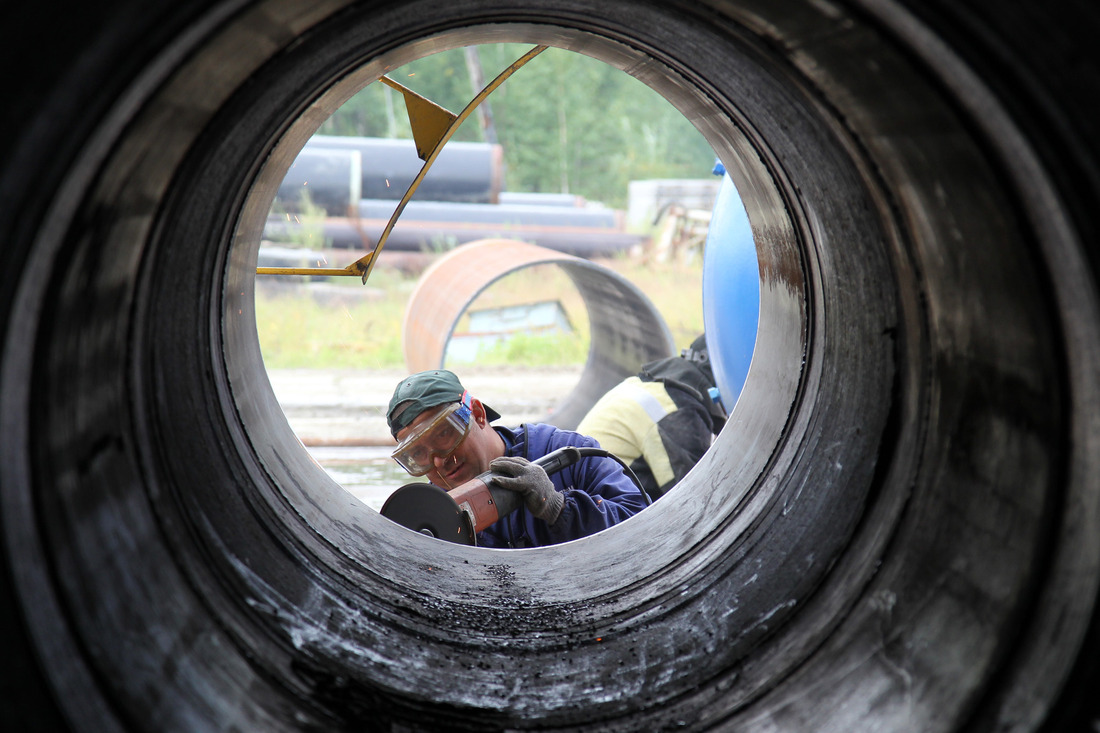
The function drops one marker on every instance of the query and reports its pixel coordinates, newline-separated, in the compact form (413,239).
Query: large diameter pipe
(326,179)
(411,235)
(898,529)
(626,330)
(514,214)
(463,172)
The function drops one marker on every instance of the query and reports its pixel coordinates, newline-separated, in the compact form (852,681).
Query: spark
(348,313)
(387,183)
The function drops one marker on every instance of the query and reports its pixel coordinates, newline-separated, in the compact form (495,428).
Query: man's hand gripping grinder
(459,514)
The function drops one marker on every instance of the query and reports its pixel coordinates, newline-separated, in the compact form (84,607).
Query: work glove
(531,482)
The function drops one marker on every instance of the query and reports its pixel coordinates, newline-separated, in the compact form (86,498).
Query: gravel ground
(344,407)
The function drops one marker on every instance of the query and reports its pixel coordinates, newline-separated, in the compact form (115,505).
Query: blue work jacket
(597,491)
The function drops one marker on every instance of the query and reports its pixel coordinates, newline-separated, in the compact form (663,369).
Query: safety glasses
(438,437)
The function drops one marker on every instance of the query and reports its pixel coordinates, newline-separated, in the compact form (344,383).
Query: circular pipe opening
(781,351)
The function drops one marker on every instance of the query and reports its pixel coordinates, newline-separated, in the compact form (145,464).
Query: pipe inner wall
(897,529)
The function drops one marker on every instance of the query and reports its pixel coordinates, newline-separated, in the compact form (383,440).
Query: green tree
(567,123)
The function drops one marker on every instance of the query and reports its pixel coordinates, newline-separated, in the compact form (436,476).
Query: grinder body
(459,514)
(482,503)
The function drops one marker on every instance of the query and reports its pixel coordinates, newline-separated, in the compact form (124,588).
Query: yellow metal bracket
(428,120)
(432,127)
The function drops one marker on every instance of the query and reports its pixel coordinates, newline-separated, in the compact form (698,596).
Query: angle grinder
(459,514)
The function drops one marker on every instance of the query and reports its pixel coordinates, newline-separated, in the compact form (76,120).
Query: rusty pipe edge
(626,328)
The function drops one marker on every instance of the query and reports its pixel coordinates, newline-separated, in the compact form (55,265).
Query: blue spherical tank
(731,292)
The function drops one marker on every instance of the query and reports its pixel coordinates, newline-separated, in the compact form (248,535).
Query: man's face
(473,454)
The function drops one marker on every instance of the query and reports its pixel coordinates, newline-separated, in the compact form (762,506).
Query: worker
(662,420)
(445,434)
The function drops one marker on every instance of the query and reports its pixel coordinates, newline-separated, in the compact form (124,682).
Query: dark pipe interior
(896,530)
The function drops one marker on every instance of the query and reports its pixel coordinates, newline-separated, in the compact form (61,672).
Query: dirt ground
(335,407)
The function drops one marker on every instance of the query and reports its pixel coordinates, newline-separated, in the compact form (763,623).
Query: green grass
(556,349)
(364,331)
(297,331)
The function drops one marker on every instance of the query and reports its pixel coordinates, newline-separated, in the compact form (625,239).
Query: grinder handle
(507,501)
(556,460)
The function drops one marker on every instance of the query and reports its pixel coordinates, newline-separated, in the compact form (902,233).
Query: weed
(363,330)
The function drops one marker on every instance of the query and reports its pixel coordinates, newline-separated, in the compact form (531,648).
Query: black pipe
(411,235)
(466,172)
(898,528)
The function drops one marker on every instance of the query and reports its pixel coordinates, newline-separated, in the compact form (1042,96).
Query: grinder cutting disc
(428,509)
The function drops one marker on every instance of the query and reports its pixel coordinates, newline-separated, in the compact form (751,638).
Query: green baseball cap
(423,391)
